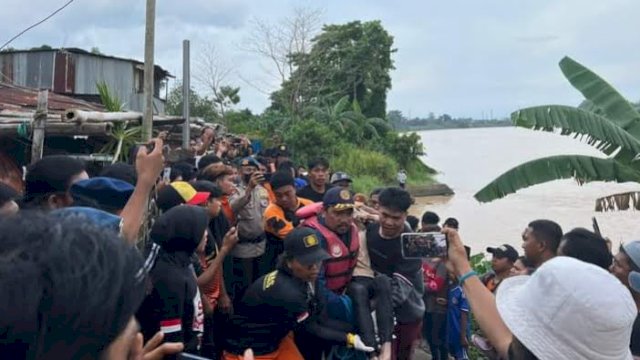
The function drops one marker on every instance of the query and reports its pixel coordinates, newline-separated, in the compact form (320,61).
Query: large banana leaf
(602,95)
(582,168)
(596,130)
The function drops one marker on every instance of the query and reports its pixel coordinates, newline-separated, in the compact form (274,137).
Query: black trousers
(242,274)
(364,291)
(434,331)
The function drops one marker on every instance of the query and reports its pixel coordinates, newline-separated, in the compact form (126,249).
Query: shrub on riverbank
(371,163)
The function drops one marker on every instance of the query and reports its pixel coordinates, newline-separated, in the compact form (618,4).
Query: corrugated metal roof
(159,69)
(18,98)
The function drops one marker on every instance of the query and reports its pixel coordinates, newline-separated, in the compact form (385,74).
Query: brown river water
(468,159)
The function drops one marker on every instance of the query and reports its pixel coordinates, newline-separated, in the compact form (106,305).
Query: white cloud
(462,57)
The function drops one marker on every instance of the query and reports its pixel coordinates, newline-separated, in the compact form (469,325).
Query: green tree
(308,139)
(226,97)
(351,60)
(609,123)
(403,148)
(200,106)
(349,119)
(396,118)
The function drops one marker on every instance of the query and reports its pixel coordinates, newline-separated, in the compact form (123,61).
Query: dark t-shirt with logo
(307,192)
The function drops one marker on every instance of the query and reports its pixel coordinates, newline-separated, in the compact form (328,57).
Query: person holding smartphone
(248,204)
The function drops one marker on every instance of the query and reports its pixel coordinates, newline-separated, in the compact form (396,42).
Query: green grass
(370,170)
(419,174)
(365,184)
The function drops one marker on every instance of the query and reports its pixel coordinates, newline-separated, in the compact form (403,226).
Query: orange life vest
(339,268)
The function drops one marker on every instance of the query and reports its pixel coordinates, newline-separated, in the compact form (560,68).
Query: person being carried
(283,300)
(381,254)
(334,225)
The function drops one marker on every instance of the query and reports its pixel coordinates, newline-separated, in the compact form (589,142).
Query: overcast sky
(465,58)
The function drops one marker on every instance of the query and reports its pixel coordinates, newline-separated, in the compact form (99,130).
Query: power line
(36,24)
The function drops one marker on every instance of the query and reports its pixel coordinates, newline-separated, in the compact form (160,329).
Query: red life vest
(339,269)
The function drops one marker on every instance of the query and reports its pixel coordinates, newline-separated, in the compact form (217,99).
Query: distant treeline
(445,121)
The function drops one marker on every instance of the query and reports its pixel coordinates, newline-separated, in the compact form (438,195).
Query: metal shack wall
(117,74)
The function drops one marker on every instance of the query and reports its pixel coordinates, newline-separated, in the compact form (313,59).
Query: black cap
(107,192)
(250,161)
(283,150)
(503,251)
(303,245)
(338,198)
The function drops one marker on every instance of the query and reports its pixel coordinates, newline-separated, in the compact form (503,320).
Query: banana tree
(123,136)
(349,119)
(606,121)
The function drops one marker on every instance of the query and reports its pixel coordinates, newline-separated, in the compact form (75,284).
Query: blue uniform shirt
(457,303)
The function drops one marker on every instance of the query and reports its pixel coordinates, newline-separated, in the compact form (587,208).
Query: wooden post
(186,86)
(39,123)
(149,39)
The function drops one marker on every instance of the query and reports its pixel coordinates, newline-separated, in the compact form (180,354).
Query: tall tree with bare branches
(279,41)
(213,74)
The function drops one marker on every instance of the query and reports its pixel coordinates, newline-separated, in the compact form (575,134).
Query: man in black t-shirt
(318,176)
(381,253)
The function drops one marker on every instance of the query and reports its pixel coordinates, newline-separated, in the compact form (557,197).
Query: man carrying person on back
(318,176)
(541,239)
(338,235)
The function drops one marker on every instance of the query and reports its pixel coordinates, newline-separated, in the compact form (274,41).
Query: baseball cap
(632,249)
(340,176)
(107,192)
(250,161)
(189,194)
(338,198)
(634,281)
(304,246)
(178,193)
(559,311)
(99,218)
(282,150)
(503,251)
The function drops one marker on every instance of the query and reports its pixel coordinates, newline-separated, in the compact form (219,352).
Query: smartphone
(267,177)
(166,175)
(423,245)
(150,146)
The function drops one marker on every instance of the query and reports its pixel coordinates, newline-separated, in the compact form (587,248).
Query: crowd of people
(227,254)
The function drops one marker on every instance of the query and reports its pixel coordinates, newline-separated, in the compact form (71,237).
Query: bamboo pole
(62,129)
(39,122)
(149,40)
(82,116)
